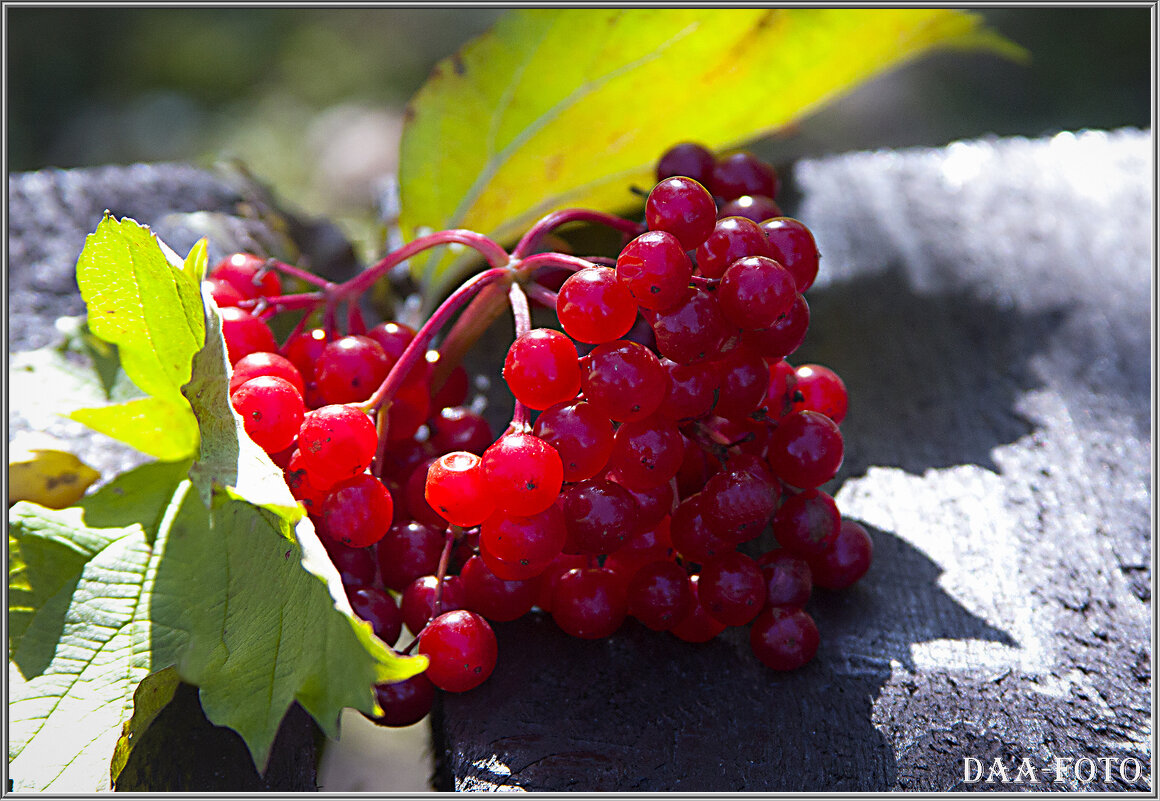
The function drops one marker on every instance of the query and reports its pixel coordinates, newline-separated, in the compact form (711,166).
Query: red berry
(739,503)
(525,543)
(755,208)
(245,334)
(408,551)
(847,559)
(271,410)
(350,369)
(495,598)
(541,368)
(733,238)
(783,638)
(788,579)
(303,350)
(646,453)
(457,428)
(697,625)
(693,389)
(377,607)
(580,434)
(659,595)
(336,442)
(656,270)
(743,173)
(461,648)
(822,391)
(623,380)
(743,384)
(755,291)
(692,535)
(418,600)
(393,338)
(806,449)
(404,703)
(262,363)
(457,489)
(807,524)
(223,293)
(732,588)
(688,159)
(794,248)
(600,515)
(594,306)
(693,331)
(240,270)
(682,207)
(357,511)
(589,603)
(785,334)
(524,473)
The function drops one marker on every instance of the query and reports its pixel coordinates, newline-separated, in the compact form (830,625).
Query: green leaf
(155,426)
(140,302)
(141,576)
(561,108)
(197,261)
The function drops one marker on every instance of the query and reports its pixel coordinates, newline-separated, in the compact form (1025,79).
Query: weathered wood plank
(988,307)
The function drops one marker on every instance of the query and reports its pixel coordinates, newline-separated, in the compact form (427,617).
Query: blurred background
(310,99)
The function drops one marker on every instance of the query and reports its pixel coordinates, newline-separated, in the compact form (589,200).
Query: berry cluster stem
(558,218)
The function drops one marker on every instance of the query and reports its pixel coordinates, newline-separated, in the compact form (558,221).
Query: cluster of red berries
(638,479)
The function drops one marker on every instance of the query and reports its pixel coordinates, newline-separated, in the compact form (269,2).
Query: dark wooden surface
(988,307)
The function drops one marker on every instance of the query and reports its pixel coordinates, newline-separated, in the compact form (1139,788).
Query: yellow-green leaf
(155,426)
(563,108)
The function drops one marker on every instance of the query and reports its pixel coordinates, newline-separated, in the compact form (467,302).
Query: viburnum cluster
(663,460)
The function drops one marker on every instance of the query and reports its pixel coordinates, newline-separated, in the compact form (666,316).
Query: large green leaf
(209,567)
(559,108)
(142,298)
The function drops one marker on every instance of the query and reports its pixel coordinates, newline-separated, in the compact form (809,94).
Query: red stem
(417,348)
(496,256)
(527,265)
(295,272)
(558,218)
(523,323)
(542,295)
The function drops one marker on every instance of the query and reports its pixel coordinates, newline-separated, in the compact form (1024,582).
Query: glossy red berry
(350,369)
(784,638)
(743,173)
(595,306)
(336,442)
(417,603)
(404,703)
(600,515)
(847,559)
(755,291)
(659,595)
(271,410)
(732,238)
(697,625)
(589,603)
(687,159)
(495,598)
(755,208)
(794,248)
(303,350)
(806,449)
(656,270)
(357,512)
(743,384)
(265,363)
(462,650)
(693,331)
(580,433)
(241,271)
(646,453)
(788,578)
(732,589)
(807,523)
(245,334)
(408,551)
(692,535)
(740,502)
(377,607)
(542,368)
(682,207)
(526,543)
(822,391)
(623,380)
(524,473)
(457,489)
(457,428)
(784,336)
